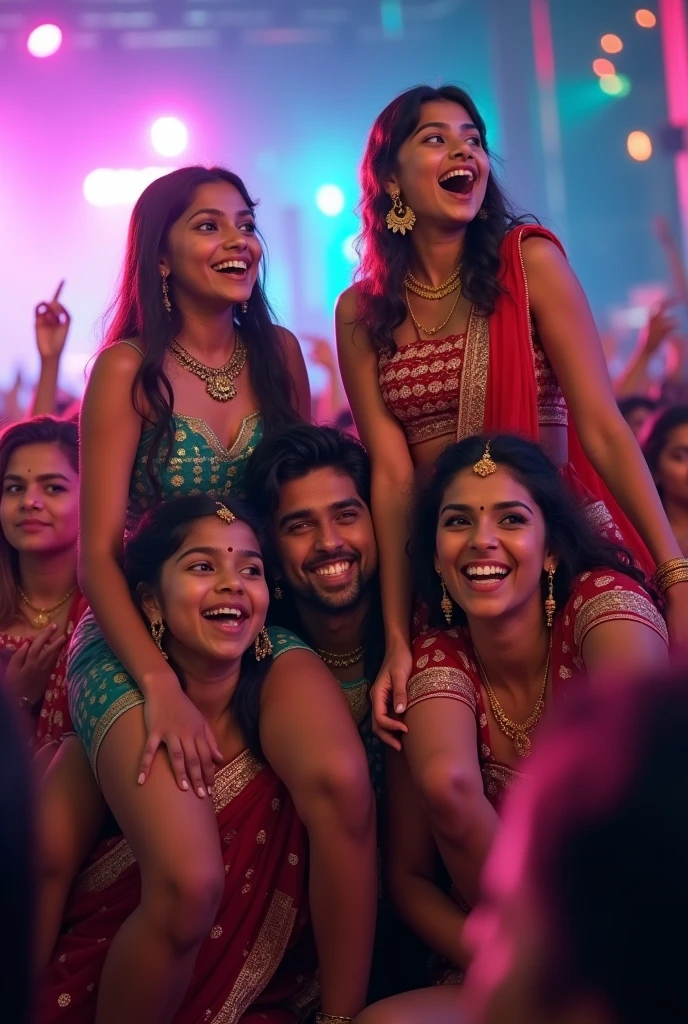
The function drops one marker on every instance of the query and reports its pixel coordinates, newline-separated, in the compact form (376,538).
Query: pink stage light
(44,41)
(169,136)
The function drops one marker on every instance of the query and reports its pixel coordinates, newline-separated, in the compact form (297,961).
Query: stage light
(645,18)
(611,43)
(639,146)
(349,249)
(615,85)
(169,136)
(44,41)
(602,66)
(107,186)
(330,200)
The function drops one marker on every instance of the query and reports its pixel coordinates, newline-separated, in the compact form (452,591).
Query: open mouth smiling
(459,181)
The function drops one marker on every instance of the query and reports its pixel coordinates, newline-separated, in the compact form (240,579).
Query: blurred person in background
(666,451)
(636,410)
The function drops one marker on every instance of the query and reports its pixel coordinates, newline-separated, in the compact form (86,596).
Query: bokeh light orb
(639,146)
(121,186)
(44,41)
(169,136)
(615,85)
(330,200)
(645,18)
(611,43)
(602,66)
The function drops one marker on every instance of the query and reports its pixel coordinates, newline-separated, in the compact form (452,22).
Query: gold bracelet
(674,570)
(329,1018)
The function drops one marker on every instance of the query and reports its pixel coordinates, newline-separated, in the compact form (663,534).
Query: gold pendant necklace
(435,330)
(44,614)
(219,381)
(518,734)
(428,291)
(341,660)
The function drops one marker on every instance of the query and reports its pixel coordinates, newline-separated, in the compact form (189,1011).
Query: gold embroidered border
(306,1000)
(597,514)
(473,387)
(246,429)
(107,869)
(234,777)
(129,699)
(553,415)
(263,960)
(615,604)
(417,433)
(442,682)
(501,775)
(358,696)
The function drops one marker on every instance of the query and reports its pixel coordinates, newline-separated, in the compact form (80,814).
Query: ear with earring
(400,218)
(262,645)
(277,591)
(550,603)
(157,628)
(446,604)
(166,295)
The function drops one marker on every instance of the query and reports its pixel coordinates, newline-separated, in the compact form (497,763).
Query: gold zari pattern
(615,604)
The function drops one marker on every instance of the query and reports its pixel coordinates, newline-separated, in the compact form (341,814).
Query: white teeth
(214,612)
(486,570)
(229,264)
(334,569)
(461,172)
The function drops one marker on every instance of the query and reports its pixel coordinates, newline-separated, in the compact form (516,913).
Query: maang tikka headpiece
(224,513)
(486,465)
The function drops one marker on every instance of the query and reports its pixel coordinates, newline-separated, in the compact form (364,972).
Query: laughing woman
(194,372)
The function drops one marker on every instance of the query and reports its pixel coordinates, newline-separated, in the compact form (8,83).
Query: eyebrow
(220,213)
(44,477)
(499,506)
(244,552)
(443,124)
(305,513)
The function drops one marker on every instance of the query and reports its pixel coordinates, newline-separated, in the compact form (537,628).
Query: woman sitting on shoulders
(523,598)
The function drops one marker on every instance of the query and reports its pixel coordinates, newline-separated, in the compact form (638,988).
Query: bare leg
(311,741)
(173,835)
(70,815)
(441,1005)
(441,753)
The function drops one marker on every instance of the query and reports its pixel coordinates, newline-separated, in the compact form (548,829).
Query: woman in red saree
(40,603)
(466,319)
(485,682)
(208,600)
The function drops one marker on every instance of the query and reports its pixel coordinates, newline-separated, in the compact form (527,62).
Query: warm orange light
(611,43)
(602,66)
(639,146)
(645,18)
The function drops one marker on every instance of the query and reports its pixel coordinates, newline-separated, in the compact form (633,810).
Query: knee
(384,1012)
(183,900)
(341,791)
(450,795)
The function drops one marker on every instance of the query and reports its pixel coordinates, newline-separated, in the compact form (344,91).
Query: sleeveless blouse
(421,384)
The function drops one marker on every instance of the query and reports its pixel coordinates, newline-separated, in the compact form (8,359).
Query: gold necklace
(428,291)
(444,323)
(341,660)
(219,381)
(518,734)
(44,614)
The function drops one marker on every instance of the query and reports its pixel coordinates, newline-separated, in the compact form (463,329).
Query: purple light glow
(44,41)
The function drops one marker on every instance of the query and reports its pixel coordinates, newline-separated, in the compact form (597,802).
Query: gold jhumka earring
(446,604)
(157,628)
(550,603)
(400,218)
(262,645)
(166,295)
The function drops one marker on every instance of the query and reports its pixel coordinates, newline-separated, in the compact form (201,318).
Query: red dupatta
(498,387)
(256,963)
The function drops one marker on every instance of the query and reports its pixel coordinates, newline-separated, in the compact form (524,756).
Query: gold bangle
(329,1018)
(674,570)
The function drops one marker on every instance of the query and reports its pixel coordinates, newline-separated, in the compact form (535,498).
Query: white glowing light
(169,136)
(107,186)
(44,41)
(330,200)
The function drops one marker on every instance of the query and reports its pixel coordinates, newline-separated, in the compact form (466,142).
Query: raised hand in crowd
(662,325)
(52,328)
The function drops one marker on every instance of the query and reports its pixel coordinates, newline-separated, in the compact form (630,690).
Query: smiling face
(325,540)
(442,169)
(212,595)
(491,544)
(672,467)
(213,252)
(39,504)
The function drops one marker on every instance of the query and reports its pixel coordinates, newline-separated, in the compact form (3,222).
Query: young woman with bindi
(467,319)
(40,602)
(193,373)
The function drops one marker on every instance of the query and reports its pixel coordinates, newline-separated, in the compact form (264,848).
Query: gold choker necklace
(428,291)
(341,660)
(518,734)
(44,614)
(219,381)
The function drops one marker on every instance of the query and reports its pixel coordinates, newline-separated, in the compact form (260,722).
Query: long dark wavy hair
(40,430)
(160,534)
(656,440)
(138,312)
(385,256)
(569,536)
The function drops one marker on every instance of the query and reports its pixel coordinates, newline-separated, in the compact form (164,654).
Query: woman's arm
(623,647)
(567,330)
(52,328)
(412,868)
(110,429)
(635,380)
(299,374)
(391,497)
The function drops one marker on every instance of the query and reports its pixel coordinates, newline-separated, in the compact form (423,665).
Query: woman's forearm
(634,379)
(44,398)
(618,460)
(431,915)
(106,590)
(391,505)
